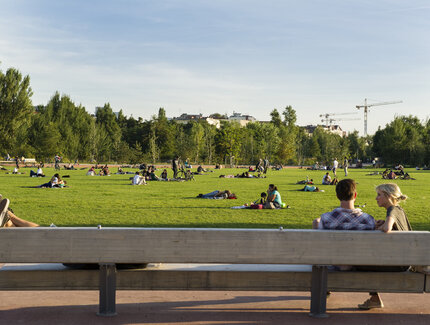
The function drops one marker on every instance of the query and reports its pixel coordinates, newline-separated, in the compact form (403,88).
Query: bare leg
(18,222)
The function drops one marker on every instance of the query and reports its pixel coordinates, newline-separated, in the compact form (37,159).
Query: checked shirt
(346,219)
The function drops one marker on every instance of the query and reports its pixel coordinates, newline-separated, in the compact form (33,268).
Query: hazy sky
(196,56)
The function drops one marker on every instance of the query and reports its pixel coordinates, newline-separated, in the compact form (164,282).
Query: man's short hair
(345,189)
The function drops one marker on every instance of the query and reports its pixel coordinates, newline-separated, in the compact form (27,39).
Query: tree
(275,118)
(106,120)
(15,106)
(290,116)
(228,141)
(164,134)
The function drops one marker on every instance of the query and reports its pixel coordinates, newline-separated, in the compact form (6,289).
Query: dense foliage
(64,128)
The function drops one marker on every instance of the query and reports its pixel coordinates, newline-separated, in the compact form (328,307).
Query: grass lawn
(112,201)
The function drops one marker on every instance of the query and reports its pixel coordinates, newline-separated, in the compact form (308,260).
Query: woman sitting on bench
(388,197)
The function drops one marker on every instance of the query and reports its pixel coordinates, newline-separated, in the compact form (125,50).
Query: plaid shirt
(345,219)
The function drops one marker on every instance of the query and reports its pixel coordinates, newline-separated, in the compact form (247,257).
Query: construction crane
(339,119)
(366,108)
(327,117)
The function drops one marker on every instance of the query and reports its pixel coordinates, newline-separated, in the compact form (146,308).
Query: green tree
(275,118)
(15,106)
(290,116)
(228,142)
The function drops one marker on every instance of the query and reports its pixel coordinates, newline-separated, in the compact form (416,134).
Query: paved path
(206,307)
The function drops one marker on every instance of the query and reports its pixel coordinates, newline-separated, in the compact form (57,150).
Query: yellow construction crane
(366,108)
(328,117)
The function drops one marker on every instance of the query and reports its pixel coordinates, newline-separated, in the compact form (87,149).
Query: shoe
(370,304)
(4,204)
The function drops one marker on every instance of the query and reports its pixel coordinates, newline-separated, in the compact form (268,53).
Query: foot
(4,204)
(370,304)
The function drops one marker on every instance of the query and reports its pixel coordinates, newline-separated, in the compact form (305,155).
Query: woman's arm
(387,226)
(271,197)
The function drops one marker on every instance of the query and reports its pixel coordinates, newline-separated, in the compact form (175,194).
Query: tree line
(62,127)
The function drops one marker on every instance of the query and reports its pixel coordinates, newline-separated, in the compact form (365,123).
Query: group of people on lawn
(344,217)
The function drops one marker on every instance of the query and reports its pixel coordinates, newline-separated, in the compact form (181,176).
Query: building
(243,120)
(336,129)
(186,118)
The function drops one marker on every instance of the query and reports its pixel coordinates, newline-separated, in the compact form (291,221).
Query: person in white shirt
(335,165)
(39,172)
(138,180)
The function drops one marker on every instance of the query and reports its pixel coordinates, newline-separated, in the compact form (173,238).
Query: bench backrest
(240,246)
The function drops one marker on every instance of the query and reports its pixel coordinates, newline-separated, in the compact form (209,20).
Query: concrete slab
(206,307)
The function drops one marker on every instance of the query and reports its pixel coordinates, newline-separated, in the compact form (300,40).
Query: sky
(195,56)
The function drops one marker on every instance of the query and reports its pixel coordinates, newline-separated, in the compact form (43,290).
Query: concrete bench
(211,259)
(28,161)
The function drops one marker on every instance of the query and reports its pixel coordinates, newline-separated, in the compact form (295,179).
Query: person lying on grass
(311,188)
(226,194)
(55,181)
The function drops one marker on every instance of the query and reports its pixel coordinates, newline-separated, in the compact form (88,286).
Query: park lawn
(112,201)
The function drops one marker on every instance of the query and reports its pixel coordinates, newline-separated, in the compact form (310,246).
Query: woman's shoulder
(395,210)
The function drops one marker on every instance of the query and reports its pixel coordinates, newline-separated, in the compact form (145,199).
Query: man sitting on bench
(345,217)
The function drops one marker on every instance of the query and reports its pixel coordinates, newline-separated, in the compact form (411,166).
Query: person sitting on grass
(274,200)
(105,170)
(91,171)
(328,181)
(391,175)
(138,180)
(39,172)
(164,175)
(200,169)
(16,171)
(152,176)
(261,200)
(226,194)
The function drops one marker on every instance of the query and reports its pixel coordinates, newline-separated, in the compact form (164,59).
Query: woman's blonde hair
(392,191)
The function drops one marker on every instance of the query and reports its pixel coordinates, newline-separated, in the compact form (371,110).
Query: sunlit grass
(112,201)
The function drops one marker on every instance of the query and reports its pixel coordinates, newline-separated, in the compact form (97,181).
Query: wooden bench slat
(167,245)
(207,277)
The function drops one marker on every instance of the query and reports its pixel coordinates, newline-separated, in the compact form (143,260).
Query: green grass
(112,201)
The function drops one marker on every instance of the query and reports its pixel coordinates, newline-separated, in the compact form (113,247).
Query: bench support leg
(107,290)
(319,291)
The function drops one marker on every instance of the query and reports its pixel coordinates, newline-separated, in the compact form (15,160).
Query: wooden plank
(245,278)
(167,245)
(376,281)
